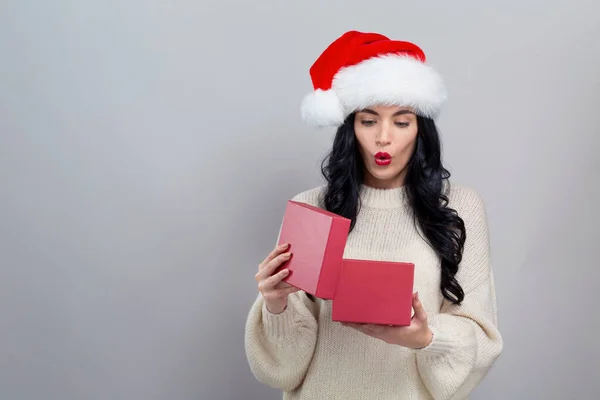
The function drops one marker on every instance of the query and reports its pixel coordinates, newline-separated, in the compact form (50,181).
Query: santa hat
(359,70)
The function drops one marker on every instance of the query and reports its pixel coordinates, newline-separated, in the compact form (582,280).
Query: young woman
(384,173)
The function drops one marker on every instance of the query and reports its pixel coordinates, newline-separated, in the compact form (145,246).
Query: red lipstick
(383,158)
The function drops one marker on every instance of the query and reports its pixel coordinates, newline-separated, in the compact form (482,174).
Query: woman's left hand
(415,336)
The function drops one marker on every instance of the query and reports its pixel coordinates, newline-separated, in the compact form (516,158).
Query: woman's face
(386,137)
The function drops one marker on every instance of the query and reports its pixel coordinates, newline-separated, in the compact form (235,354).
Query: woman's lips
(383,158)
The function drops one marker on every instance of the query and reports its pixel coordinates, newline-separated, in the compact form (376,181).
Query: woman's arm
(466,340)
(279,347)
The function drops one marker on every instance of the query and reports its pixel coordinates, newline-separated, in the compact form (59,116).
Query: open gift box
(362,291)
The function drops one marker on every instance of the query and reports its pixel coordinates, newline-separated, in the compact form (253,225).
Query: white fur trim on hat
(383,80)
(322,108)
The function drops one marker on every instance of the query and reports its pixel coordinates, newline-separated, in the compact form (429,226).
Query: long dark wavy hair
(441,226)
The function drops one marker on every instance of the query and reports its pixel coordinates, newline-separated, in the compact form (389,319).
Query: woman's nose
(384,135)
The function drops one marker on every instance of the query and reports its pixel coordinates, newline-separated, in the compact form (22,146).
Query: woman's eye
(368,123)
(402,124)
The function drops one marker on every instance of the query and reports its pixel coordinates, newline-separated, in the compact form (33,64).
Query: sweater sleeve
(279,347)
(466,340)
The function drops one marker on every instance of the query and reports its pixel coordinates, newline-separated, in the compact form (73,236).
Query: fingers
(420,313)
(372,328)
(272,283)
(274,253)
(276,293)
(271,266)
(273,280)
(285,291)
(283,285)
(376,328)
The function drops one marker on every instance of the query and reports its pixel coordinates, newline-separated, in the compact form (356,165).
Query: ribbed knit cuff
(278,326)
(441,343)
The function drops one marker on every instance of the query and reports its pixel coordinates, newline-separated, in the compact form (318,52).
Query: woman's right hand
(275,292)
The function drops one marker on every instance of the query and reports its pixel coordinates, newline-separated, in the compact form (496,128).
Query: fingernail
(283,246)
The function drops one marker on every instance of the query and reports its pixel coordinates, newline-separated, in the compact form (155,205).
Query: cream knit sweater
(309,357)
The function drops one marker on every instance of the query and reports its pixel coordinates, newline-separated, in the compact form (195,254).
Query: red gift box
(376,292)
(317,240)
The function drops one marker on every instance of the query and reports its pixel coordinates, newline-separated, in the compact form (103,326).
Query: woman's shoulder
(312,196)
(470,206)
(465,200)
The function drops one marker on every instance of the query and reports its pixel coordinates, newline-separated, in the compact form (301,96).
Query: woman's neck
(392,183)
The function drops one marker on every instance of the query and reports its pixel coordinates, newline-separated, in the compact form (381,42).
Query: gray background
(147,150)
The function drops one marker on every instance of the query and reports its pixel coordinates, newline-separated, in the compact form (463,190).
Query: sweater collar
(383,198)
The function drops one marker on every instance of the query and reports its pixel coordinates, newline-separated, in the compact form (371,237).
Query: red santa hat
(359,70)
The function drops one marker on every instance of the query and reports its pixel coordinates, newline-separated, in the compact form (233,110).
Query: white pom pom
(322,108)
